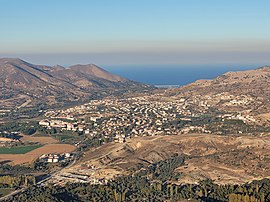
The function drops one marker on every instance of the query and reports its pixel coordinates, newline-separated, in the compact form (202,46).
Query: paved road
(40,182)
(13,193)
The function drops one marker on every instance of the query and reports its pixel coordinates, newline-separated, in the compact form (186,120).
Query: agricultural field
(41,140)
(29,153)
(31,156)
(19,150)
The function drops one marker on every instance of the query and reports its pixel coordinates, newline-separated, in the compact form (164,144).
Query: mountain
(25,84)
(244,92)
(87,76)
(254,82)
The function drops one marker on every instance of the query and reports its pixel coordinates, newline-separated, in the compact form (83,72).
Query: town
(144,116)
(118,120)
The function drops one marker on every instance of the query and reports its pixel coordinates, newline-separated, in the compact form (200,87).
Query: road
(40,182)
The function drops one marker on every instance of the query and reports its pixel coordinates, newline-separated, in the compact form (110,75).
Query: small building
(55,160)
(67,155)
(70,126)
(50,159)
(93,119)
(44,123)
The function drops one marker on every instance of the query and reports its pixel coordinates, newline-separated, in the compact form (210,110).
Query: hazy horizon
(136,32)
(166,74)
(176,74)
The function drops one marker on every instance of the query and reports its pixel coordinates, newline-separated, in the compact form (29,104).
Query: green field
(19,150)
(5,191)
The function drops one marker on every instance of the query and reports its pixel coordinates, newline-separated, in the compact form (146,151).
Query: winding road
(40,183)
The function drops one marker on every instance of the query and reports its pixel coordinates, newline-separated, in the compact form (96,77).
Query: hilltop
(252,82)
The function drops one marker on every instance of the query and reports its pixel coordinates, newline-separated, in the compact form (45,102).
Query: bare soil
(224,159)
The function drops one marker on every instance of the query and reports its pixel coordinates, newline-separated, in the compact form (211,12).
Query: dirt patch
(225,159)
(264,117)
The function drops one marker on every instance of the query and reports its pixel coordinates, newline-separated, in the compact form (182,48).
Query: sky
(119,32)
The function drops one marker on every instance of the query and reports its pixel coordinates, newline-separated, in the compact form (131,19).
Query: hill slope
(242,92)
(219,158)
(253,82)
(22,82)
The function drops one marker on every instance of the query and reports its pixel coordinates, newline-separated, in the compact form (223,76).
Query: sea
(175,75)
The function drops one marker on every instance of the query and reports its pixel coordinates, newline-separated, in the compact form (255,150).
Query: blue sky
(136,31)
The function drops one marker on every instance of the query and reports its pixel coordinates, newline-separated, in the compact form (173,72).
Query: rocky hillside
(215,157)
(254,82)
(24,84)
(242,92)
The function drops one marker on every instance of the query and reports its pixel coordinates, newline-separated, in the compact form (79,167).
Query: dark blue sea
(174,74)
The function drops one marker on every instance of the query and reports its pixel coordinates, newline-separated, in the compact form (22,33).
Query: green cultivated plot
(19,150)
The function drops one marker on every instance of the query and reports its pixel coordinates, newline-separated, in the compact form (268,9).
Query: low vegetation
(152,183)
(8,181)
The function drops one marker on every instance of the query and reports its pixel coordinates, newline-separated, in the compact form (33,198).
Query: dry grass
(41,140)
(264,117)
(225,159)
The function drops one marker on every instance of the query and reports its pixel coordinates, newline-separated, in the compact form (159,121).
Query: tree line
(156,182)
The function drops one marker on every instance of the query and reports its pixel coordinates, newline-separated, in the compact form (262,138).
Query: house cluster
(55,158)
(4,112)
(225,102)
(238,116)
(149,115)
(63,125)
(119,119)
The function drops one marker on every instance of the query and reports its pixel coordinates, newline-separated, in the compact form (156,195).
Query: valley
(214,131)
(28,89)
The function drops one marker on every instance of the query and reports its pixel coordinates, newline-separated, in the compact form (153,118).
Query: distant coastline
(175,74)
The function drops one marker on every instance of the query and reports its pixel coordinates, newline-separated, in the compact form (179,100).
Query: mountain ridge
(50,85)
